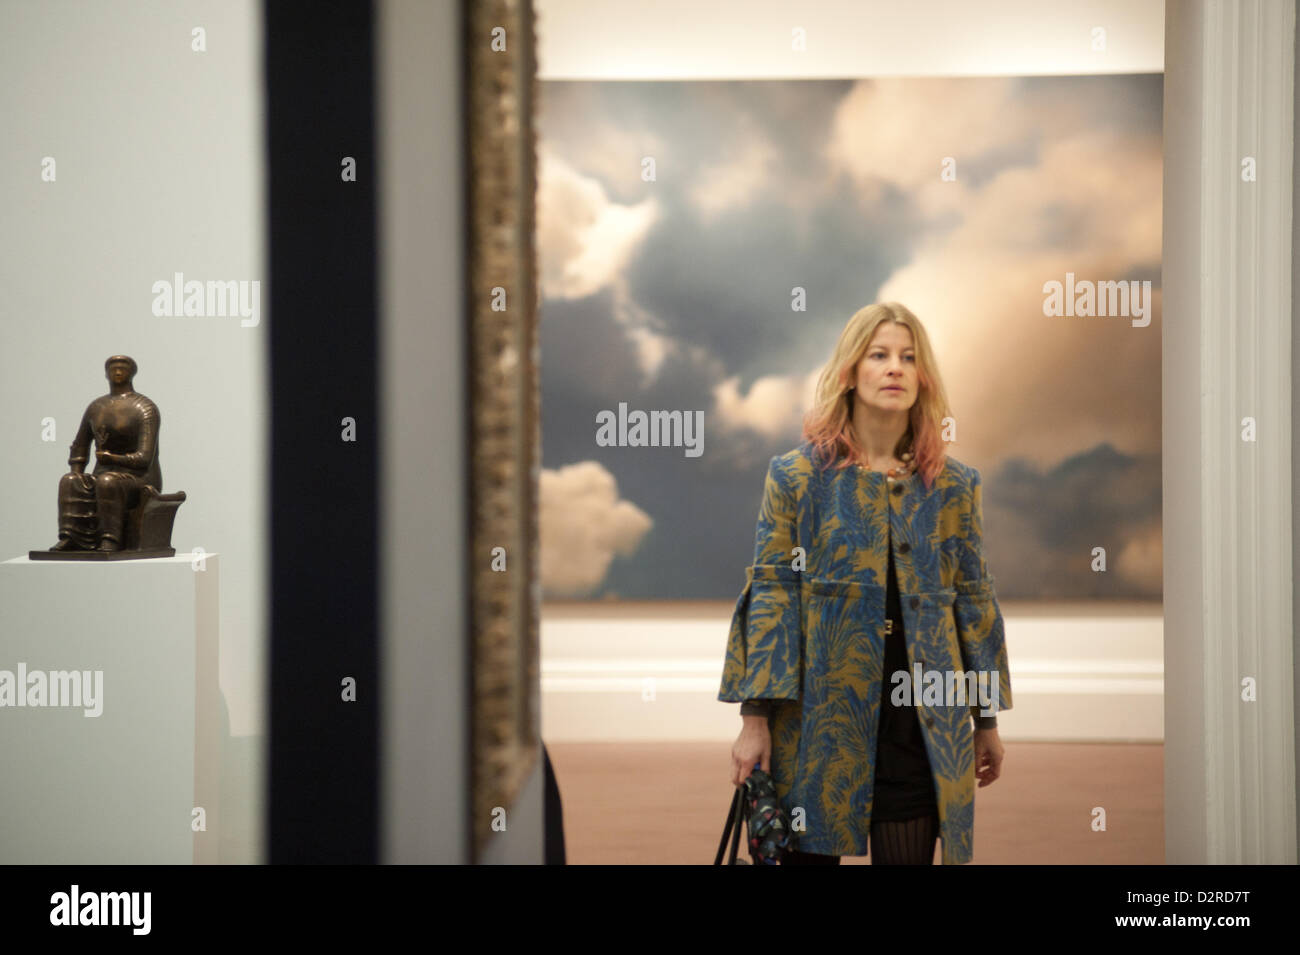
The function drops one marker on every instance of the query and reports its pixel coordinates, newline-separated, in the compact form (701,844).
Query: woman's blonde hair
(828,425)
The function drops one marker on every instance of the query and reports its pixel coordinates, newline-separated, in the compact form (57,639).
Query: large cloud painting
(681,224)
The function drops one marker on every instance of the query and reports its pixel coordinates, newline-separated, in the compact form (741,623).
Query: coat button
(904,547)
(898,489)
(929,721)
(916,603)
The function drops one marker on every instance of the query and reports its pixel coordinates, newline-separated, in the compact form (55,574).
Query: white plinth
(119,787)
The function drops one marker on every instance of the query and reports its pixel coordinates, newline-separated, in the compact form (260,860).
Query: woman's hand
(988,756)
(752,746)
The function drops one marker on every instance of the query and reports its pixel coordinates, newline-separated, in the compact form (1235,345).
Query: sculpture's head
(119,369)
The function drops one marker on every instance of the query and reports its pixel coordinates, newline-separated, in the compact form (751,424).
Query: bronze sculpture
(117,512)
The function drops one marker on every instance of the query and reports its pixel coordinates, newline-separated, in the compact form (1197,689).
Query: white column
(425,781)
(1229,764)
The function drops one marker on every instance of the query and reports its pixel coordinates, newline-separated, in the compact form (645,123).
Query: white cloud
(898,131)
(586,242)
(774,406)
(582,525)
(587,238)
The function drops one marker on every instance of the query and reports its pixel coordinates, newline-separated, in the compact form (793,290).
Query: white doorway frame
(1230,781)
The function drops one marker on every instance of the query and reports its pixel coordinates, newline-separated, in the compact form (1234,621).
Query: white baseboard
(645,671)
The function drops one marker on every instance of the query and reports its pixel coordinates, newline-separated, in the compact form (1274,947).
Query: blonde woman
(869,572)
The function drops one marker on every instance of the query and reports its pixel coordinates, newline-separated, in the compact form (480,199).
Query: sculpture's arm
(147,446)
(79,452)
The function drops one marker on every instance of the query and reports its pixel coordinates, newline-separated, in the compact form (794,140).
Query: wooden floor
(666,803)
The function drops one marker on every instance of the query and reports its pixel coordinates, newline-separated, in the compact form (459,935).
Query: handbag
(755,804)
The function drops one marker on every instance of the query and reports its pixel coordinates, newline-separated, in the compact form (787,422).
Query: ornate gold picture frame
(504,408)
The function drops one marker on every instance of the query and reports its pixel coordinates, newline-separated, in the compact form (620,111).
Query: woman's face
(886,375)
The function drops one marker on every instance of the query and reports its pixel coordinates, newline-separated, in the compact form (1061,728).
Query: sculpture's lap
(92,506)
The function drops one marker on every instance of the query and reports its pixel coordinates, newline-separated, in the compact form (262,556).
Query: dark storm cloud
(1041,525)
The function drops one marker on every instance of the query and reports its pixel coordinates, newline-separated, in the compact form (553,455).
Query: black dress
(904,787)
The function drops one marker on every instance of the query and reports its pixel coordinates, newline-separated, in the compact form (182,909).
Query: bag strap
(726,832)
(741,815)
(736,818)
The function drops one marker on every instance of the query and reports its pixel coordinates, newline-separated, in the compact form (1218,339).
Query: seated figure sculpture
(118,511)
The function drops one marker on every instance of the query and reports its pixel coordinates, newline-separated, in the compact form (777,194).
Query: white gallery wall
(132,152)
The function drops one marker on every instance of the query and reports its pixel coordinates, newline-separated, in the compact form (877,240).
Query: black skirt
(904,787)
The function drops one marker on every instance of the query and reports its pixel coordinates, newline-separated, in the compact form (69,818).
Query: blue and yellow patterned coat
(808,629)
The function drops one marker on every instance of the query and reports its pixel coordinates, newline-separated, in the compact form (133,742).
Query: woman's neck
(878,434)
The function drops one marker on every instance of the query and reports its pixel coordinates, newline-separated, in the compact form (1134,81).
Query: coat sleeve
(764,659)
(979,618)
